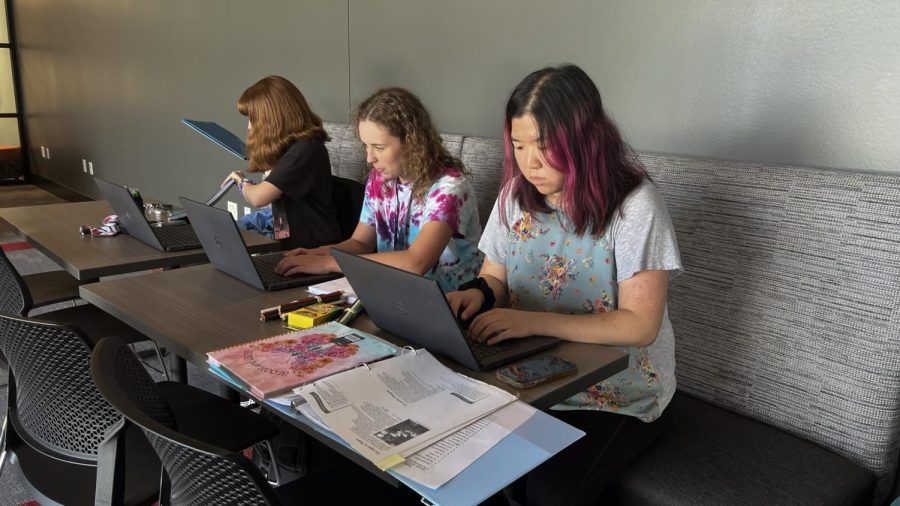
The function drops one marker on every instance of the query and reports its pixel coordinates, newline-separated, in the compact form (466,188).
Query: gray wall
(807,82)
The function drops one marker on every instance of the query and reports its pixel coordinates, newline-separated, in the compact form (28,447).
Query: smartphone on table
(536,371)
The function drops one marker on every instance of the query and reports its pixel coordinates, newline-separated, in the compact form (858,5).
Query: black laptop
(416,309)
(226,249)
(167,237)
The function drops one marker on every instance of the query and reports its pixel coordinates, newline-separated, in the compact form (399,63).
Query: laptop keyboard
(482,350)
(265,265)
(176,235)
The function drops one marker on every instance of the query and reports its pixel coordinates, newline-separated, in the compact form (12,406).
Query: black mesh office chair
(17,299)
(56,421)
(47,288)
(192,411)
(198,471)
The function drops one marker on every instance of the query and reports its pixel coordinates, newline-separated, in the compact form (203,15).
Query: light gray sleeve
(643,236)
(495,236)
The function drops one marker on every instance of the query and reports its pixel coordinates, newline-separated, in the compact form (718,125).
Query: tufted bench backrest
(789,309)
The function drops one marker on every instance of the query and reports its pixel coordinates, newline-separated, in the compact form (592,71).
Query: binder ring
(409,349)
(364,365)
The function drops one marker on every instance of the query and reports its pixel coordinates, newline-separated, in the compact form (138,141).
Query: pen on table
(351,312)
(274,313)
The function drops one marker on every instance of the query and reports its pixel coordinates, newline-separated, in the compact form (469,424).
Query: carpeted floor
(28,260)
(26,195)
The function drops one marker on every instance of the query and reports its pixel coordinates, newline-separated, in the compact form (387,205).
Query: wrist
(332,264)
(481,284)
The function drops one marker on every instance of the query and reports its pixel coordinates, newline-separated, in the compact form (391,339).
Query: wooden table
(194,310)
(53,229)
(198,309)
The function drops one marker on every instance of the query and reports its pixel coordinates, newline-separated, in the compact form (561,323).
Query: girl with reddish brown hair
(287,138)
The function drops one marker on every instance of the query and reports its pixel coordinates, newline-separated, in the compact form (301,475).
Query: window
(11,152)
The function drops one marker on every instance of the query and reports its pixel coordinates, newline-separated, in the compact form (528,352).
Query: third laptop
(416,309)
(174,237)
(227,250)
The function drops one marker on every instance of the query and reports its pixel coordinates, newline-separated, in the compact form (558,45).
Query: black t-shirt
(304,216)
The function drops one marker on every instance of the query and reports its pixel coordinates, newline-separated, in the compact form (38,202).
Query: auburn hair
(424,157)
(279,116)
(579,140)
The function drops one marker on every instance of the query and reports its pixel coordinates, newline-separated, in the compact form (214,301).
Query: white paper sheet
(333,286)
(398,406)
(442,461)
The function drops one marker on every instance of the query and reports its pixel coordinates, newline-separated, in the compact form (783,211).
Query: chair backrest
(53,403)
(482,157)
(347,196)
(198,473)
(14,296)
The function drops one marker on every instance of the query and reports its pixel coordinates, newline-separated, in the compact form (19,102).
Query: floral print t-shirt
(398,218)
(550,268)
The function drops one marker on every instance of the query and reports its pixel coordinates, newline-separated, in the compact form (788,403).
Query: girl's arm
(423,253)
(257,195)
(319,260)
(421,256)
(636,322)
(260,195)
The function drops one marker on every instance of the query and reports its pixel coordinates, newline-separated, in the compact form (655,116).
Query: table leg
(229,393)
(177,368)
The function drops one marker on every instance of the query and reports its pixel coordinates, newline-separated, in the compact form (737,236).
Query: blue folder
(533,442)
(220,135)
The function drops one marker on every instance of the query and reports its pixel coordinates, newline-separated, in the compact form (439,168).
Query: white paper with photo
(398,406)
(441,461)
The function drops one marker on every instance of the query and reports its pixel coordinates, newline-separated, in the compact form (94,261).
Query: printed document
(396,407)
(442,461)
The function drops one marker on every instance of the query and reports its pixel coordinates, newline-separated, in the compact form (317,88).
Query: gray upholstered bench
(787,325)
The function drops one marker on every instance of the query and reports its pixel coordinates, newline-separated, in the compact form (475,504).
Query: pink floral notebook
(277,364)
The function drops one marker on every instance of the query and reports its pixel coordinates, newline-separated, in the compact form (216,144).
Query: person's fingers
(492,329)
(470,308)
(477,330)
(283,266)
(502,336)
(455,303)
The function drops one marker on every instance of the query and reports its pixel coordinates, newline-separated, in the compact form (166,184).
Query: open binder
(526,447)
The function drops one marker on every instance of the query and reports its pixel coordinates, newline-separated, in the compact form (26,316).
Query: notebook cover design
(277,364)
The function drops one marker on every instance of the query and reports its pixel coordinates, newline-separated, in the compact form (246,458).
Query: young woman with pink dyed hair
(579,246)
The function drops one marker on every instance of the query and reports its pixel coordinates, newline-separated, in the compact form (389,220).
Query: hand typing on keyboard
(500,324)
(309,264)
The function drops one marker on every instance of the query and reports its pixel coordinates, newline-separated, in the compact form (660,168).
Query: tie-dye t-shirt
(397,218)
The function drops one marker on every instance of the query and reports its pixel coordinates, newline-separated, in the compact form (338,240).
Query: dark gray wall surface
(810,82)
(807,83)
(110,81)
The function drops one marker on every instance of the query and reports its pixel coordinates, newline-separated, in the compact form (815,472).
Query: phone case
(537,371)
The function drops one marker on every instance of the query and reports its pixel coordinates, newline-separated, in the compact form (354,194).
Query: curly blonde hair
(401,113)
(279,116)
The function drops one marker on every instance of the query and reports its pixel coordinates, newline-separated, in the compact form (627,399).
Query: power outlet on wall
(84,165)
(233,209)
(91,168)
(48,153)
(43,152)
